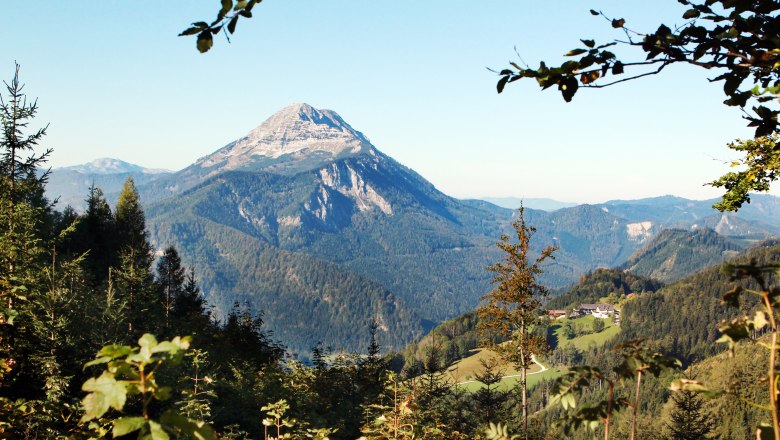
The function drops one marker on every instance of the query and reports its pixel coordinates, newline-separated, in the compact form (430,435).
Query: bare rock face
(296,138)
(344,178)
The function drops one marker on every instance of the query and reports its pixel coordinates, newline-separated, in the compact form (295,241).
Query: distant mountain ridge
(759,218)
(544,204)
(107,165)
(69,185)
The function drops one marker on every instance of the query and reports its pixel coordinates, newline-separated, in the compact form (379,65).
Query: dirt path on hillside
(533,358)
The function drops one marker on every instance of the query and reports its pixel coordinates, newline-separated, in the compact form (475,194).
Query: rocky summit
(296,137)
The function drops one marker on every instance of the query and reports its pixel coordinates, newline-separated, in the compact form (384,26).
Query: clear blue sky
(114,80)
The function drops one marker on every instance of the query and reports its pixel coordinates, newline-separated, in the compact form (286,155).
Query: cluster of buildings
(603,311)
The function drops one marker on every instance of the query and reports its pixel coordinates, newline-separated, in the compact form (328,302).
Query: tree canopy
(738,40)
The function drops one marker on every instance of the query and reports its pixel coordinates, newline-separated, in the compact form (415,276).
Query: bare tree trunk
(772,362)
(609,410)
(636,404)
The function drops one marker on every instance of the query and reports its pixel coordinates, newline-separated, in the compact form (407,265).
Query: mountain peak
(108,165)
(294,135)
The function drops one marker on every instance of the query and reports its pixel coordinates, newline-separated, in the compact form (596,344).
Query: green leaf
(104,392)
(227,5)
(205,41)
(575,52)
(191,428)
(731,298)
(126,425)
(502,83)
(190,31)
(594,12)
(691,13)
(165,347)
(589,43)
(10,314)
(115,350)
(760,321)
(98,361)
(147,340)
(156,432)
(162,393)
(231,27)
(568,88)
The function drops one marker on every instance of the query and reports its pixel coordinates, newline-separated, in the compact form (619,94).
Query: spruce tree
(96,236)
(131,226)
(189,314)
(22,205)
(134,274)
(24,211)
(20,167)
(170,278)
(372,367)
(513,307)
(689,420)
(489,399)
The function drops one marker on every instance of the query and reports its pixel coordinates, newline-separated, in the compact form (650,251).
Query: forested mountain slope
(306,184)
(683,316)
(601,283)
(677,253)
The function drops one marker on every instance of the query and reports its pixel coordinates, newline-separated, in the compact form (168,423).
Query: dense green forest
(675,253)
(602,283)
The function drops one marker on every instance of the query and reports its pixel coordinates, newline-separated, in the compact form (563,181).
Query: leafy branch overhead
(761,165)
(227,19)
(737,39)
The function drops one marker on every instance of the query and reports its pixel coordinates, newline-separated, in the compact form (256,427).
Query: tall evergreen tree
(489,399)
(131,225)
(21,186)
(96,236)
(372,366)
(189,313)
(23,247)
(134,274)
(513,307)
(170,278)
(20,167)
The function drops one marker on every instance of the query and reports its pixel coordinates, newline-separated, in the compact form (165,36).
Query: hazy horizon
(412,77)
